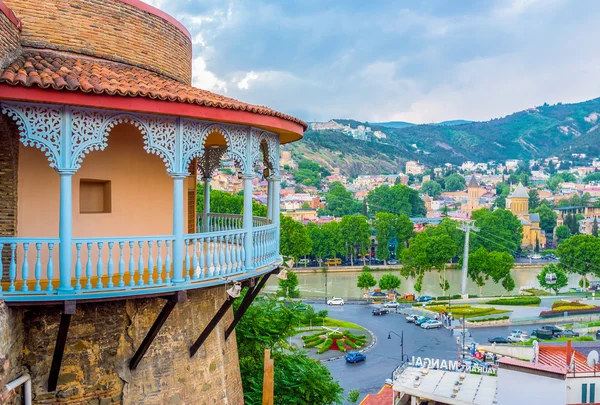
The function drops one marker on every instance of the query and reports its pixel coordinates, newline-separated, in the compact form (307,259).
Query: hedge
(352,344)
(548,314)
(501,318)
(314,343)
(325,346)
(516,301)
(340,345)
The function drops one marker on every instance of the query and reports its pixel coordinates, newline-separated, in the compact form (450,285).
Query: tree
(592,177)
(478,268)
(226,203)
(414,259)
(384,231)
(299,380)
(445,211)
(295,239)
(289,287)
(355,232)
(562,233)
(571,222)
(537,244)
(508,283)
(306,205)
(455,182)
(561,278)
(340,202)
(389,282)
(431,188)
(534,199)
(499,265)
(595,227)
(398,199)
(319,244)
(333,238)
(499,230)
(547,217)
(365,281)
(403,230)
(441,250)
(580,254)
(451,228)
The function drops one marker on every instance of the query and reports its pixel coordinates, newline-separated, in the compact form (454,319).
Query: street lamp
(401,343)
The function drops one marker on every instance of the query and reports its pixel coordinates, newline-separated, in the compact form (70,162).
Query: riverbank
(359,268)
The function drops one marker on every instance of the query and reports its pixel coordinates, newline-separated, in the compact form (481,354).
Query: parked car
(553,328)
(353,357)
(412,318)
(420,320)
(392,261)
(431,324)
(392,304)
(303,262)
(598,334)
(378,294)
(333,262)
(381,311)
(542,334)
(335,301)
(424,298)
(516,338)
(536,256)
(567,333)
(498,339)
(302,307)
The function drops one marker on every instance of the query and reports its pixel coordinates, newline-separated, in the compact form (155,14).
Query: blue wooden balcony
(133,266)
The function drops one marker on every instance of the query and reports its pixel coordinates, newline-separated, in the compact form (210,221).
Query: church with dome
(517,202)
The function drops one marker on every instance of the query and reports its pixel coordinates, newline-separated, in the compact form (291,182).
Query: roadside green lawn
(333,323)
(466,311)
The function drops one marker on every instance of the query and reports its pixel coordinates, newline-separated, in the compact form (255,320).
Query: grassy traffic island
(466,311)
(325,343)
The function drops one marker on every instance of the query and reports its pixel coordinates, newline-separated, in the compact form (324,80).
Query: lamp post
(401,343)
(325,271)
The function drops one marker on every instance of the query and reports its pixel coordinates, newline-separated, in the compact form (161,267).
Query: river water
(343,284)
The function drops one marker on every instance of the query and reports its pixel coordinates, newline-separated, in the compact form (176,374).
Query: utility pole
(468,227)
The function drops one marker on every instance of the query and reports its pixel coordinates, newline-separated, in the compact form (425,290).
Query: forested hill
(542,131)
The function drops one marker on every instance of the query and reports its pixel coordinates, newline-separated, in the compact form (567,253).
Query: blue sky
(419,61)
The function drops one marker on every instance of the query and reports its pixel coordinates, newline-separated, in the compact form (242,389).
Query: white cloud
(244,84)
(204,79)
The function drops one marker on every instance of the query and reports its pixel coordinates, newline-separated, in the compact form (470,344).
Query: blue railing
(130,265)
(225,222)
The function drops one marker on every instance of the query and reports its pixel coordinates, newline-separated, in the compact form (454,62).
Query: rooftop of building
(519,192)
(439,385)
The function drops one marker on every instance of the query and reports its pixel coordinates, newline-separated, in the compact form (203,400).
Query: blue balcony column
(65,229)
(269,199)
(247,220)
(178,227)
(276,198)
(205,219)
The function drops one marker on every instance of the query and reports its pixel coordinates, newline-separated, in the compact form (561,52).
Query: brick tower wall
(103,338)
(108,29)
(10,42)
(9,163)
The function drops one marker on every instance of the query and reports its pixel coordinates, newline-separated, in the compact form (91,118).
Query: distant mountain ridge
(542,131)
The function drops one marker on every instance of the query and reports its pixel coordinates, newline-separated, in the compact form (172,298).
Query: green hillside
(543,131)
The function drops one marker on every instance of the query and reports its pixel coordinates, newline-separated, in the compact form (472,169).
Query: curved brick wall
(118,30)
(10,45)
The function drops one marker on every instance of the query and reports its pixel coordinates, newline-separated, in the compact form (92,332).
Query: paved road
(369,376)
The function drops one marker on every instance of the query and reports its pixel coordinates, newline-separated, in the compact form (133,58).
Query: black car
(567,333)
(381,311)
(553,328)
(498,339)
(598,334)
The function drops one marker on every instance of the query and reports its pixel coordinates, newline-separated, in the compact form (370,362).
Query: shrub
(326,345)
(490,319)
(336,335)
(312,337)
(351,344)
(353,396)
(340,345)
(516,301)
(572,304)
(448,297)
(579,311)
(315,343)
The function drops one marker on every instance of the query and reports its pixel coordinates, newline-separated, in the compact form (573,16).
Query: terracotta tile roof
(383,397)
(67,71)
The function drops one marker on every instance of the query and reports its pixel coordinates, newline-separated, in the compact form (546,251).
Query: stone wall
(104,336)
(10,45)
(9,160)
(109,29)
(11,351)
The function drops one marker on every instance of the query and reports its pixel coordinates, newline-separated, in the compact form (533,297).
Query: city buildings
(518,203)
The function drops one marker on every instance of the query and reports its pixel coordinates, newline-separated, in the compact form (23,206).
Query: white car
(431,324)
(335,301)
(516,338)
(392,304)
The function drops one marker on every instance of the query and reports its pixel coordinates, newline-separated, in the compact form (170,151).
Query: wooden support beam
(61,340)
(268,380)
(178,297)
(248,299)
(211,325)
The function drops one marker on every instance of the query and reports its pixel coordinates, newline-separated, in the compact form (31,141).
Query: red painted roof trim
(159,13)
(290,131)
(10,15)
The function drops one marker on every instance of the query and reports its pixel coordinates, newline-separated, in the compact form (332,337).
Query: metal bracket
(248,299)
(211,325)
(61,340)
(173,300)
